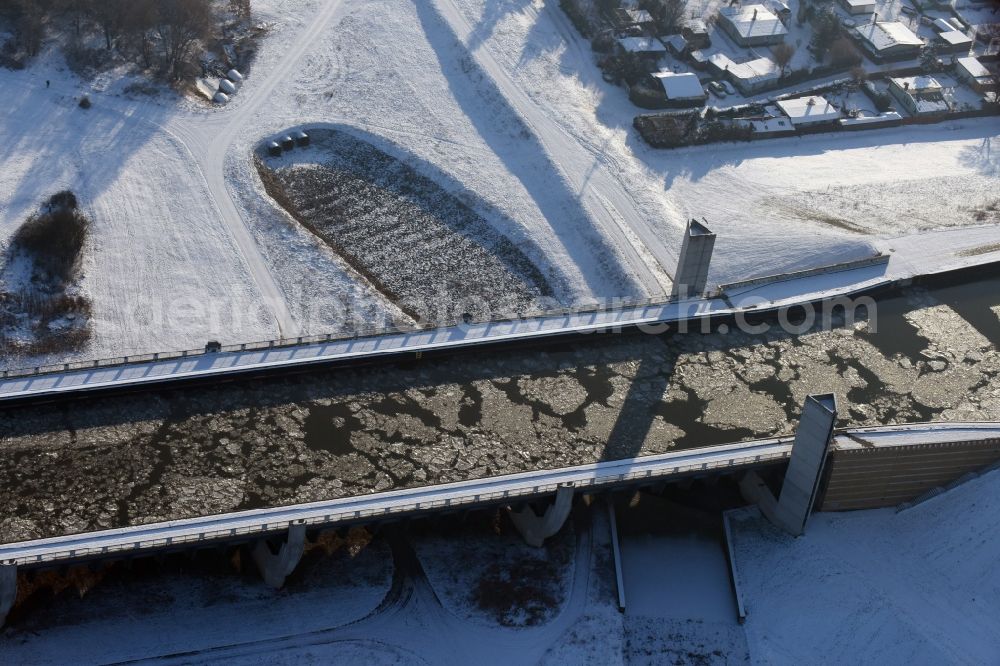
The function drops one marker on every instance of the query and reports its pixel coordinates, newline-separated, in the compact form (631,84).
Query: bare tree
(668,14)
(138,23)
(29,26)
(844,53)
(109,15)
(858,75)
(180,24)
(782,54)
(241,8)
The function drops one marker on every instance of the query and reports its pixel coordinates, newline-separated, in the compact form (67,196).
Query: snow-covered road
(209,138)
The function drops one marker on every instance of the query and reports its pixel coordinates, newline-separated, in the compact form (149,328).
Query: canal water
(922,353)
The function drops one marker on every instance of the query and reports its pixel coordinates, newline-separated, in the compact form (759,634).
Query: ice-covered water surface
(349,432)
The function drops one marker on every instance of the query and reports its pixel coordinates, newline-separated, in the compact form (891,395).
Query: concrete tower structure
(691,276)
(795,502)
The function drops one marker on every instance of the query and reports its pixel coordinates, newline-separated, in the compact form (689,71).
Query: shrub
(647,98)
(603,43)
(85,102)
(881,100)
(65,199)
(687,129)
(54,238)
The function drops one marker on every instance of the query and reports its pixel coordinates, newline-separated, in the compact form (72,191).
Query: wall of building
(875,477)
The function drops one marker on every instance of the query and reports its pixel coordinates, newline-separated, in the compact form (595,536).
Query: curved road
(209,138)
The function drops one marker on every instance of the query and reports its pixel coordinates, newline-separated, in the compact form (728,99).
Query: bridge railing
(377,508)
(370,332)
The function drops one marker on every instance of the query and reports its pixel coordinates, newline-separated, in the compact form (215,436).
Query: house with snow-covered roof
(859,6)
(920,95)
(644,46)
(681,89)
(888,40)
(809,111)
(750,76)
(974,72)
(954,41)
(752,25)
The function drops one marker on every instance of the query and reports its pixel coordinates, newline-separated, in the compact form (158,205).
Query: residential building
(752,25)
(682,89)
(809,111)
(750,76)
(920,95)
(954,41)
(859,6)
(695,31)
(648,49)
(888,40)
(973,72)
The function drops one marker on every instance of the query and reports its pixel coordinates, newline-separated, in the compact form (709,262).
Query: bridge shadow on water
(449,395)
(283,439)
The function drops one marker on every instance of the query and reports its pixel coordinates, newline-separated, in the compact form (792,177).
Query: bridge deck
(392,503)
(469,494)
(164,368)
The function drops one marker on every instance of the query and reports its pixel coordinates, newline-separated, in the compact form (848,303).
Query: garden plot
(858,207)
(422,247)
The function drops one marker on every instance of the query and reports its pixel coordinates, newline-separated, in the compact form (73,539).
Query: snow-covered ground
(137,614)
(866,587)
(878,587)
(761,198)
(500,101)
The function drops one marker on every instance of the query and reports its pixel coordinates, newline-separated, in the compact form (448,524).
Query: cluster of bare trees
(153,33)
(668,14)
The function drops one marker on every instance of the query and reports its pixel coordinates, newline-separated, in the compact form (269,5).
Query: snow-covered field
(878,587)
(497,101)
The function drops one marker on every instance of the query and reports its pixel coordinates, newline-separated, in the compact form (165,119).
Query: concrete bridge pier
(535,529)
(8,590)
(275,567)
(795,502)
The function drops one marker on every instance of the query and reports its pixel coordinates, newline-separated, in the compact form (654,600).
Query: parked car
(717,88)
(729,87)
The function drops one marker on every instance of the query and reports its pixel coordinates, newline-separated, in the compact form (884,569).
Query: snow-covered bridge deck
(157,369)
(463,495)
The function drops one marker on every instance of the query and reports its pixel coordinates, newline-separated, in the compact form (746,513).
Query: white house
(752,25)
(888,39)
(808,111)
(682,89)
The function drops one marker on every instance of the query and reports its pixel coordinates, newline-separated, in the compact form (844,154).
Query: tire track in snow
(210,153)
